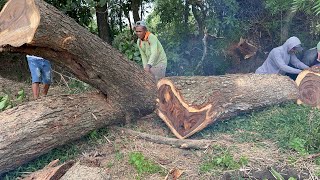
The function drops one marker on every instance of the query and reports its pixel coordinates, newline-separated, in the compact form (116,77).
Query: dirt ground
(261,157)
(111,158)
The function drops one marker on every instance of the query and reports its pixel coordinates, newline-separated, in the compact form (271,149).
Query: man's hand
(147,68)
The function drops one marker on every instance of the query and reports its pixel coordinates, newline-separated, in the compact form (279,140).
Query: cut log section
(36,127)
(51,172)
(308,82)
(189,104)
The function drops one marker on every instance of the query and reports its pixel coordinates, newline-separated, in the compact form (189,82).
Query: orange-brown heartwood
(308,82)
(189,104)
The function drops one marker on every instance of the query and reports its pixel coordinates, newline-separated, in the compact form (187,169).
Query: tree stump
(189,104)
(308,82)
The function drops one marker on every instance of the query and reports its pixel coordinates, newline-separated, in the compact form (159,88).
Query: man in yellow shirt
(154,58)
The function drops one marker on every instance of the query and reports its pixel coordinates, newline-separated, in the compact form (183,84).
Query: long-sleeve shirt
(279,58)
(151,51)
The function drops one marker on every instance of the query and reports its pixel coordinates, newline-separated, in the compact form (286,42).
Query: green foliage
(125,42)
(79,10)
(76,86)
(298,145)
(292,126)
(224,160)
(275,7)
(7,101)
(4,102)
(143,165)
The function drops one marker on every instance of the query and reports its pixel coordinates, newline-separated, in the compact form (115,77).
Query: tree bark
(33,129)
(286,26)
(103,23)
(189,104)
(308,82)
(135,4)
(37,28)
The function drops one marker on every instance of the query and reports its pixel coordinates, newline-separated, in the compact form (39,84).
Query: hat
(298,47)
(141,23)
(318,47)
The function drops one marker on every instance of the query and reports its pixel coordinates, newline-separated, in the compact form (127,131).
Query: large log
(32,129)
(308,82)
(35,27)
(189,104)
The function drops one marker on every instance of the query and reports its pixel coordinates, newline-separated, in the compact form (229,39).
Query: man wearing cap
(279,58)
(154,58)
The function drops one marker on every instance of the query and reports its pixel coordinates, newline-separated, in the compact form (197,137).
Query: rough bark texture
(308,82)
(33,129)
(60,39)
(81,172)
(189,104)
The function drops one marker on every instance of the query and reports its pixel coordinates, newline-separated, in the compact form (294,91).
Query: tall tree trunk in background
(135,10)
(199,19)
(186,13)
(286,26)
(120,15)
(103,23)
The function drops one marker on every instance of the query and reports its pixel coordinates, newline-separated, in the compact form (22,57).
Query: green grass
(292,126)
(222,160)
(143,165)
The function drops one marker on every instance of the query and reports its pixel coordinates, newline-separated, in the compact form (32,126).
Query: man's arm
(142,54)
(297,63)
(153,41)
(279,61)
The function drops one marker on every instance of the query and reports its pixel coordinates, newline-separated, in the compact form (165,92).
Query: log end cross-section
(19,20)
(308,82)
(182,118)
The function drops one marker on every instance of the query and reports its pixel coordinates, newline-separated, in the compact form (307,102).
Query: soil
(111,157)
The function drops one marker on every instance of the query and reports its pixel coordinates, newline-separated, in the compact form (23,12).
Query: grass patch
(293,126)
(222,160)
(143,165)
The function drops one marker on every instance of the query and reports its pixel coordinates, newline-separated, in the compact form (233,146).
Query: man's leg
(45,89)
(35,90)
(46,76)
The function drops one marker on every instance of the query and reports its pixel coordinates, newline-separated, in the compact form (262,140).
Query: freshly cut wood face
(19,20)
(184,120)
(308,82)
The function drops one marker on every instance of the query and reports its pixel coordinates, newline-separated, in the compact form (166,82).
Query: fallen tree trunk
(308,82)
(189,104)
(32,129)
